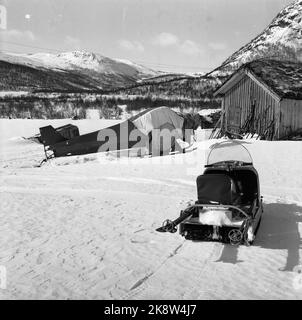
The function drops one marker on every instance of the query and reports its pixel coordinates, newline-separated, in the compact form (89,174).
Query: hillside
(282,39)
(184,87)
(68,71)
(19,77)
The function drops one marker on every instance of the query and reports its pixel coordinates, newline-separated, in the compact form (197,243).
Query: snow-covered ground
(84,226)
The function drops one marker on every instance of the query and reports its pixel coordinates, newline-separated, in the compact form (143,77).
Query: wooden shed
(263,97)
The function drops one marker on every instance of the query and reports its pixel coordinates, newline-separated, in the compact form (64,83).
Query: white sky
(175,35)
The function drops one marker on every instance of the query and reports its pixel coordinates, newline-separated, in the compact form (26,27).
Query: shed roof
(282,78)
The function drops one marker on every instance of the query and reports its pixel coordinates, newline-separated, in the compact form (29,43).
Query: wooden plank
(238,102)
(292,116)
(262,85)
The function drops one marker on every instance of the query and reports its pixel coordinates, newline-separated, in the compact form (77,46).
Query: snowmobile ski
(170,226)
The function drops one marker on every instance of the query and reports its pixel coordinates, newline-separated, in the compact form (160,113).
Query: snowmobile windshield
(228,151)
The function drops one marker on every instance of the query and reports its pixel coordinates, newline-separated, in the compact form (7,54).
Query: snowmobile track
(142,284)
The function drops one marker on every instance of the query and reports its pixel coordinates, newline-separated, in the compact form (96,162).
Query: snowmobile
(229,206)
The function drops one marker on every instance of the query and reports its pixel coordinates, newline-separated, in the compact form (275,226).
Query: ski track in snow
(84,227)
(142,285)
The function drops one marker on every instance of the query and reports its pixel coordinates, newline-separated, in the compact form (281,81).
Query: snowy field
(83,227)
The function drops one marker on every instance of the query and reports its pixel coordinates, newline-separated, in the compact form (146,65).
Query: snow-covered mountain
(97,71)
(78,70)
(282,39)
(89,61)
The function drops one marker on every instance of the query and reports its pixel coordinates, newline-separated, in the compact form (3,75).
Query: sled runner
(229,205)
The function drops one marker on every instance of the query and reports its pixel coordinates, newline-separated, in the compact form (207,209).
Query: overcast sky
(176,35)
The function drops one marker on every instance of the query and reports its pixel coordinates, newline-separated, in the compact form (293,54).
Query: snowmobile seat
(218,188)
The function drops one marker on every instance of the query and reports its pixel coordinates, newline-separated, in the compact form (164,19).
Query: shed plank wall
(291,116)
(240,99)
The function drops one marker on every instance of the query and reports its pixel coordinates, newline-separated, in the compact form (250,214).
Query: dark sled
(62,133)
(229,205)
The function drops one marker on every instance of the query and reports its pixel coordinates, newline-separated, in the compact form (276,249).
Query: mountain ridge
(97,71)
(281,39)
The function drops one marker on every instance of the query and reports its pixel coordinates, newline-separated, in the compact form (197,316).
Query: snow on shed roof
(284,78)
